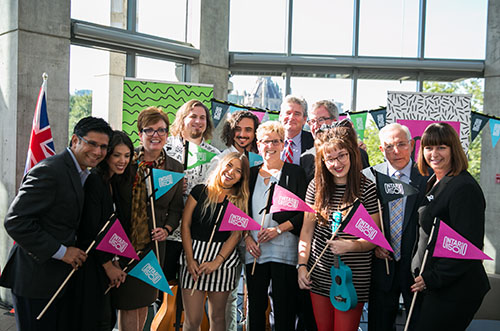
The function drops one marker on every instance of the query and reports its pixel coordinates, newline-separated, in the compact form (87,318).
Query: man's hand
(74,257)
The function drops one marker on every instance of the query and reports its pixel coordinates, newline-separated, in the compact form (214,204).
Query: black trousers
(283,280)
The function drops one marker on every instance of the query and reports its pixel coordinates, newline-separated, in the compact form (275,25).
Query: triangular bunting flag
(359,121)
(273,117)
(379,116)
(164,180)
(495,131)
(236,220)
(452,245)
(232,109)
(149,271)
(362,225)
(255,159)
(218,111)
(198,156)
(284,200)
(477,123)
(115,241)
(389,189)
(259,114)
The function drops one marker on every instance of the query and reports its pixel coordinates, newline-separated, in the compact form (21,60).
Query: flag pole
(72,271)
(326,246)
(209,243)
(262,221)
(414,299)
(383,232)
(124,270)
(149,188)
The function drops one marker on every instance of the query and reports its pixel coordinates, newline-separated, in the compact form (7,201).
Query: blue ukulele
(342,293)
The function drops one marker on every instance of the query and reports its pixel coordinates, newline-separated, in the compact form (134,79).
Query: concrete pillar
(34,38)
(490,157)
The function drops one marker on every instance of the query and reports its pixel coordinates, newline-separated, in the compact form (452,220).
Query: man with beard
(239,132)
(293,116)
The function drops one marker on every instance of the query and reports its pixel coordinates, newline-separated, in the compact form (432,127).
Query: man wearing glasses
(400,223)
(43,220)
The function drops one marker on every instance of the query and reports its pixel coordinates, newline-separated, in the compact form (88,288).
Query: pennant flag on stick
(477,123)
(115,241)
(236,220)
(359,121)
(284,200)
(389,188)
(218,111)
(379,116)
(149,271)
(495,131)
(452,245)
(198,156)
(255,159)
(362,225)
(164,180)
(41,144)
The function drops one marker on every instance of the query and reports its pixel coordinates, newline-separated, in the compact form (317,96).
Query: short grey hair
(297,100)
(393,126)
(330,106)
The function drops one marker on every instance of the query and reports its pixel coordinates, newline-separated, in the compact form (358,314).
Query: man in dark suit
(293,116)
(43,219)
(400,223)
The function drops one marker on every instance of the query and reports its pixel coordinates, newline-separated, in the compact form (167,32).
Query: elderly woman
(338,182)
(134,296)
(453,289)
(275,247)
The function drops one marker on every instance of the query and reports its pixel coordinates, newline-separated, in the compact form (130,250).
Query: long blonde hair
(241,190)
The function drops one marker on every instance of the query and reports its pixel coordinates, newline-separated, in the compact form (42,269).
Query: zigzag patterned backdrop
(138,95)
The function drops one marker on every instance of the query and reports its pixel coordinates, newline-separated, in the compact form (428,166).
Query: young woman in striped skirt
(217,275)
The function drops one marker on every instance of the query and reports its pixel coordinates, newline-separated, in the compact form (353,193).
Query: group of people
(65,201)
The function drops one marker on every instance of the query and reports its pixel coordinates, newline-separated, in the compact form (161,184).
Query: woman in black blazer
(452,289)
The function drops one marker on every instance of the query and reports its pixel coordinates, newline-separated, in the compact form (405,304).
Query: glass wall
(154,69)
(315,89)
(165,19)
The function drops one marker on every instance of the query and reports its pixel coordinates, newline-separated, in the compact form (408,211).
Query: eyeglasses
(151,132)
(274,142)
(93,144)
(319,121)
(402,145)
(341,158)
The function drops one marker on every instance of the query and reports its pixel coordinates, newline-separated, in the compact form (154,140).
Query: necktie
(289,151)
(396,222)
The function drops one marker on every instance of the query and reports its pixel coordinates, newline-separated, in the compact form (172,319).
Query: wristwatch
(301,265)
(278,230)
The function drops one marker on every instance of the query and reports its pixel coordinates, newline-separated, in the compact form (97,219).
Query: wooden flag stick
(124,270)
(149,188)
(414,299)
(72,271)
(208,245)
(262,222)
(383,232)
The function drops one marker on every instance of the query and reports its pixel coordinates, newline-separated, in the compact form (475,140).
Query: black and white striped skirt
(221,280)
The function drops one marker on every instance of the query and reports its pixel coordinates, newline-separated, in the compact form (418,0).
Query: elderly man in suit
(400,223)
(293,116)
(43,220)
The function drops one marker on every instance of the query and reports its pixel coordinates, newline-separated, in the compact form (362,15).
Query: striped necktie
(396,222)
(289,151)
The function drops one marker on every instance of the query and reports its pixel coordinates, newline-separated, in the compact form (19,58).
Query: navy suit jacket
(307,141)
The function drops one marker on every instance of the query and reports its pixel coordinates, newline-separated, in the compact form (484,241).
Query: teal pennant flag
(164,180)
(149,271)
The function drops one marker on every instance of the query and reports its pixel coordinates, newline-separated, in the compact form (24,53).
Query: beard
(195,134)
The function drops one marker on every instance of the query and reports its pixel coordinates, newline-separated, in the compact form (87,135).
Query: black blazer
(44,215)
(293,179)
(307,141)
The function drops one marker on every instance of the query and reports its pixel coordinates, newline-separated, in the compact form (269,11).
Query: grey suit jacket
(45,214)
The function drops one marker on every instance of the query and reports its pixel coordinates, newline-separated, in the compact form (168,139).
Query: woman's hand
(267,234)
(159,234)
(303,279)
(194,269)
(382,253)
(115,274)
(208,267)
(419,285)
(341,246)
(251,247)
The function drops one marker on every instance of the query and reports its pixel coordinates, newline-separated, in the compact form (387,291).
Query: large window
(153,69)
(165,19)
(95,11)
(315,89)
(257,91)
(373,93)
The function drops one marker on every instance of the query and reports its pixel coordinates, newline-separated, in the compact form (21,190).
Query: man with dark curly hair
(238,132)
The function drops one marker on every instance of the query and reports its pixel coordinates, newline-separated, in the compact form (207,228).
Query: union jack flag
(41,143)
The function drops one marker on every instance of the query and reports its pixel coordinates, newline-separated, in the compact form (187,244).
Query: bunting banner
(452,245)
(495,131)
(149,271)
(477,123)
(359,122)
(255,159)
(284,200)
(164,180)
(235,219)
(379,116)
(116,242)
(260,114)
(198,156)
(273,117)
(389,188)
(219,110)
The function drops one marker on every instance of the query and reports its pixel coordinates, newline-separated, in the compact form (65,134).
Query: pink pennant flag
(284,200)
(236,220)
(116,242)
(362,225)
(259,114)
(452,245)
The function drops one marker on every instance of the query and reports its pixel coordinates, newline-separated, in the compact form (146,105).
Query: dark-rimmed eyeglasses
(93,144)
(151,132)
(342,158)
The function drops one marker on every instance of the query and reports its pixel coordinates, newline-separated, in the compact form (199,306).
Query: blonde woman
(215,276)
